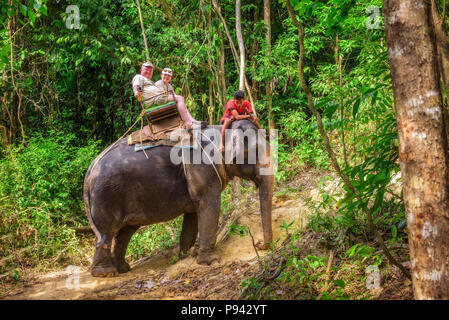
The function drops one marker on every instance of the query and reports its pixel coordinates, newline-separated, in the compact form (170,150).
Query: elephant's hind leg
(188,233)
(119,247)
(102,265)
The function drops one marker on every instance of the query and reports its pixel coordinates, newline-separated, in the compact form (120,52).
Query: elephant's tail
(86,197)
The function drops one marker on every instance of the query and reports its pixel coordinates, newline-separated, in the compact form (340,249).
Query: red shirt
(244,109)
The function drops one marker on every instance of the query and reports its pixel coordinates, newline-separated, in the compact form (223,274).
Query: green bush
(308,151)
(41,197)
(155,237)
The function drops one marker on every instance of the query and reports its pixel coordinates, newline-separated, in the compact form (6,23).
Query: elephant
(124,190)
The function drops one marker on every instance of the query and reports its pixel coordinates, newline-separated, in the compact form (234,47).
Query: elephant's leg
(188,233)
(120,244)
(102,265)
(208,211)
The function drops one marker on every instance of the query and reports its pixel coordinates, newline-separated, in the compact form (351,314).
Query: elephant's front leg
(208,212)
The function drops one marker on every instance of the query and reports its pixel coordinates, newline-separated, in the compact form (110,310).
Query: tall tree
(233,49)
(268,85)
(422,142)
(238,29)
(443,54)
(221,68)
(147,55)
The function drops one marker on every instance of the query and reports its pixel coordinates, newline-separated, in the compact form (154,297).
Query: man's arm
(137,90)
(137,85)
(250,111)
(237,116)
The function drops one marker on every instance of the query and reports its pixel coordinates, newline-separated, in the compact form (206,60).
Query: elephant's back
(121,162)
(147,190)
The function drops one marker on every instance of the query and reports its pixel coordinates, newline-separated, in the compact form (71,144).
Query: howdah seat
(162,117)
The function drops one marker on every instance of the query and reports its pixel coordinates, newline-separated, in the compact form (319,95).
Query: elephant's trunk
(265,197)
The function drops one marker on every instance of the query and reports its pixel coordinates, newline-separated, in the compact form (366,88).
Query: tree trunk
(338,62)
(221,72)
(267,20)
(443,56)
(147,54)
(210,109)
(252,51)
(238,31)
(422,142)
(233,49)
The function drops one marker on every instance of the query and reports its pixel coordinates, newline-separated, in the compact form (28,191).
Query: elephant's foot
(261,245)
(104,271)
(122,267)
(207,258)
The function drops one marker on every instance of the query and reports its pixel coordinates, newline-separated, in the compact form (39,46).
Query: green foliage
(364,252)
(252,286)
(238,230)
(286,226)
(306,147)
(304,268)
(41,196)
(153,238)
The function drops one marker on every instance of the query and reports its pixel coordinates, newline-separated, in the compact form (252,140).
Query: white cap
(167,71)
(148,64)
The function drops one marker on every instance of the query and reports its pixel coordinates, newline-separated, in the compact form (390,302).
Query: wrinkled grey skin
(124,191)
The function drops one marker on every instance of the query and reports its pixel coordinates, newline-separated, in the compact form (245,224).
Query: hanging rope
(140,135)
(202,149)
(216,149)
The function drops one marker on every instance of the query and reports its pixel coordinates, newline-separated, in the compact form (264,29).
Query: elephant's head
(248,156)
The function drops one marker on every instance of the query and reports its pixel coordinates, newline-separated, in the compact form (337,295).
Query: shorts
(227,117)
(162,99)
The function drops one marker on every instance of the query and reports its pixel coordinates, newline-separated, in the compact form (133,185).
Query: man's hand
(137,93)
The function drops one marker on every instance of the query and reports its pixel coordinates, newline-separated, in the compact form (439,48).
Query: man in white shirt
(144,88)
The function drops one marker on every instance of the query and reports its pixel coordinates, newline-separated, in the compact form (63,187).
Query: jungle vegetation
(318,71)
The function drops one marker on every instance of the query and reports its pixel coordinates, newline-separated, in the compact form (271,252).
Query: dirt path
(159,278)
